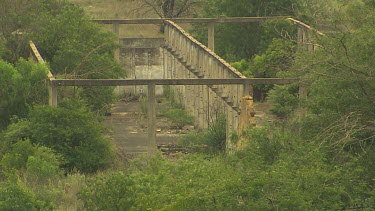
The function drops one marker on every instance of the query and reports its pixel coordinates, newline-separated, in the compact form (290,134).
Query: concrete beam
(203,81)
(188,20)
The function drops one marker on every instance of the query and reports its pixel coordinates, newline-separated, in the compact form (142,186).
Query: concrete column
(211,36)
(300,37)
(310,46)
(52,93)
(248,90)
(151,113)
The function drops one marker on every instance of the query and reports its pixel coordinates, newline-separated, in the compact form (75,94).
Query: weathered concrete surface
(143,59)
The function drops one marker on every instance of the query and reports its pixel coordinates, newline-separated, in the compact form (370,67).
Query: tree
(243,40)
(171,8)
(21,86)
(69,41)
(341,98)
(71,130)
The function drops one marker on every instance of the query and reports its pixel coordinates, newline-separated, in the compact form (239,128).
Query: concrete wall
(143,59)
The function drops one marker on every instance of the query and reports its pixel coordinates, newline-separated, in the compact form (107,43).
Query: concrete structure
(143,59)
(203,82)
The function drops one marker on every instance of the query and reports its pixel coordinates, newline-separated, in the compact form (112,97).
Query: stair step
(180,57)
(196,71)
(225,98)
(230,103)
(237,109)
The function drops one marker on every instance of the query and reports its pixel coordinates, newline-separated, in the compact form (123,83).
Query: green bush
(21,85)
(284,100)
(276,171)
(15,196)
(38,168)
(210,140)
(71,130)
(111,191)
(74,46)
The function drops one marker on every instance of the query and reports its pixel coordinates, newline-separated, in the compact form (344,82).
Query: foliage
(239,41)
(74,46)
(84,147)
(211,140)
(278,57)
(276,60)
(276,171)
(328,165)
(178,116)
(78,48)
(341,96)
(170,8)
(112,191)
(14,196)
(244,67)
(284,100)
(37,168)
(21,86)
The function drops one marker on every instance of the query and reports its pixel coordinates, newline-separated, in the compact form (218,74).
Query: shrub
(71,130)
(39,170)
(14,196)
(21,86)
(111,191)
(284,100)
(211,140)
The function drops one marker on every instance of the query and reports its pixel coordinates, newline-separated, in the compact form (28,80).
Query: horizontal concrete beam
(187,20)
(204,81)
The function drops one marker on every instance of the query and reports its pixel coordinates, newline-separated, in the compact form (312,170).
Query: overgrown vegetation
(73,46)
(52,158)
(276,171)
(211,140)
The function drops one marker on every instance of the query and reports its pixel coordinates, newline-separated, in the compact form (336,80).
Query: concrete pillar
(310,46)
(151,113)
(211,36)
(52,93)
(248,90)
(300,38)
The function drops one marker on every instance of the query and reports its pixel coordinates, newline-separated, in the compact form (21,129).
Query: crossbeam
(188,20)
(203,81)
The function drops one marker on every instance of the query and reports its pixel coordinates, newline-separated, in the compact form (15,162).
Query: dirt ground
(128,128)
